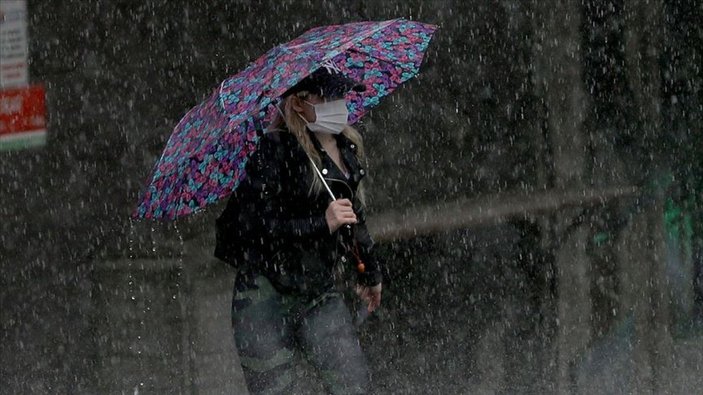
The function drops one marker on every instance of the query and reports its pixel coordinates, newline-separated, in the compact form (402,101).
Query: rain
(535,194)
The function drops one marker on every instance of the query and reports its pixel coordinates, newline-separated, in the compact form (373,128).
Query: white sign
(13,44)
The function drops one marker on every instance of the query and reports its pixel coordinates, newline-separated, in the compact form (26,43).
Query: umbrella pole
(322,178)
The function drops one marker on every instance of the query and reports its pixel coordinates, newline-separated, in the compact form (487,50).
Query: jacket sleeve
(263,194)
(372,274)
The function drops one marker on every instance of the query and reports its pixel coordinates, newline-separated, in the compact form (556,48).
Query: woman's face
(303,106)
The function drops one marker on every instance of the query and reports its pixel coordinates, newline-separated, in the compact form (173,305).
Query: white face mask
(331,117)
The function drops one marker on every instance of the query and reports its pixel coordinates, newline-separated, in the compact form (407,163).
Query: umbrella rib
(374,57)
(220,97)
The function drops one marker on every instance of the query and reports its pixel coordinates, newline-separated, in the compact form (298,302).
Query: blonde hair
(296,125)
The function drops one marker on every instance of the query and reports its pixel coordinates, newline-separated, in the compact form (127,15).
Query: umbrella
(206,155)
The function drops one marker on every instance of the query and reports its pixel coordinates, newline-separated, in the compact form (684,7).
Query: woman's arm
(372,266)
(369,288)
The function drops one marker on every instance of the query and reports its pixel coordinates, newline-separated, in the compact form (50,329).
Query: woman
(291,243)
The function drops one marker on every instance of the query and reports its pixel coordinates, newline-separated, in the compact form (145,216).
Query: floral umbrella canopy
(206,155)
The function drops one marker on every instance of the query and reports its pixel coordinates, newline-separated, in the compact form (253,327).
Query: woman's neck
(329,145)
(325,138)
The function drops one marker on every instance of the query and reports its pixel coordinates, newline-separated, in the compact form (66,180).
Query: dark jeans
(270,328)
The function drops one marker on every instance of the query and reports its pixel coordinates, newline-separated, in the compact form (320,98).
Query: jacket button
(348,226)
(362,172)
(344,259)
(324,172)
(352,146)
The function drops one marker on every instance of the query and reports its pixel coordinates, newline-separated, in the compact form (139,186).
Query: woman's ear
(296,103)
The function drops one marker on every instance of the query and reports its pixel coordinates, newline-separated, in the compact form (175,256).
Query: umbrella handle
(322,178)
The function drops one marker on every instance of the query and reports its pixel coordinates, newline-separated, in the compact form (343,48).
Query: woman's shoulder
(277,140)
(277,136)
(277,145)
(278,158)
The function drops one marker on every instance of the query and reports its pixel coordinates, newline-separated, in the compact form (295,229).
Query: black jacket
(273,226)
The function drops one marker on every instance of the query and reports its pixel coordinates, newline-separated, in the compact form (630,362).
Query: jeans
(271,329)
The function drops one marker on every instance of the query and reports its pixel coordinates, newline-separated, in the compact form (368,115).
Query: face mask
(331,117)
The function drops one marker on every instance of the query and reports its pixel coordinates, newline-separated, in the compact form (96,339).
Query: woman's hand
(338,213)
(370,295)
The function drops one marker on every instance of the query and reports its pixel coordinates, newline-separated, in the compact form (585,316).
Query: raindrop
(153,240)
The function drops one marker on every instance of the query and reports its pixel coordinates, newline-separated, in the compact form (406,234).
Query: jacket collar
(348,151)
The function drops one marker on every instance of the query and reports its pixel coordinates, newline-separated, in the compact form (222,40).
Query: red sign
(22,110)
(22,116)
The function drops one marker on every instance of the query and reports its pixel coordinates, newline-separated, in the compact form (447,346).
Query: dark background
(515,98)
